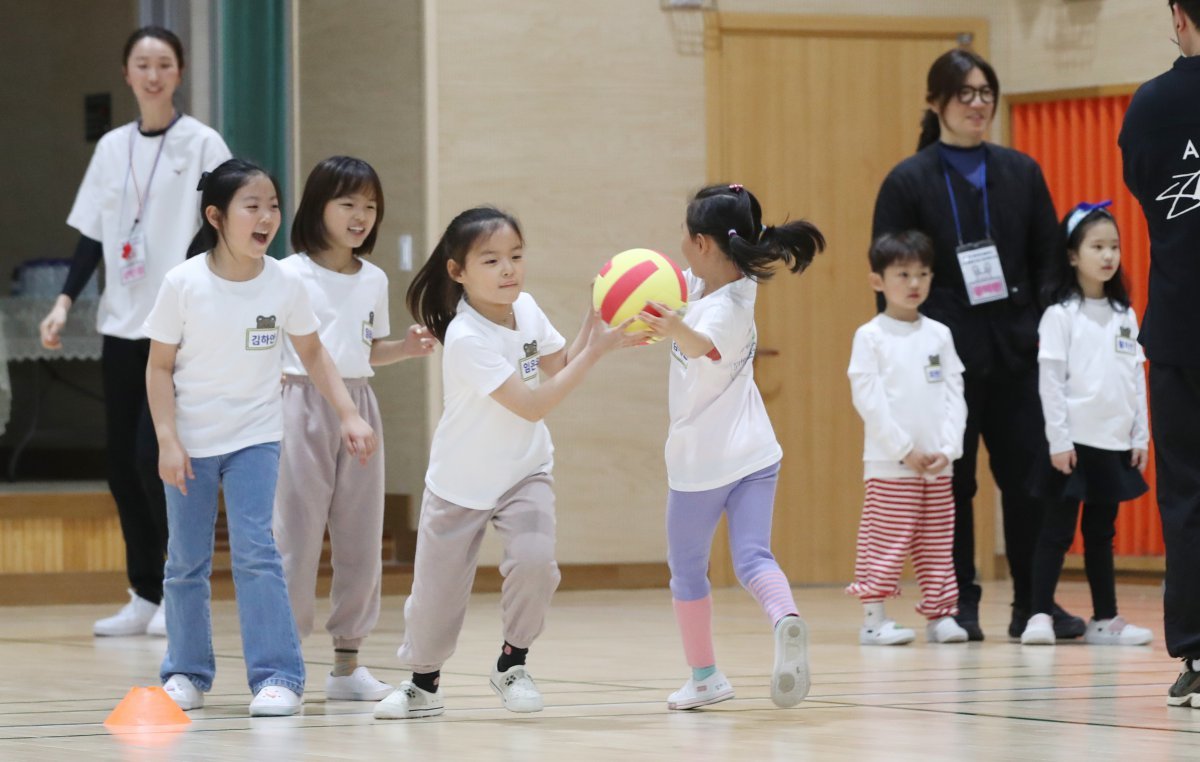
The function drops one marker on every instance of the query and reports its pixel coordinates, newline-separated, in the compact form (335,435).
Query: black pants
(1175,421)
(1057,534)
(1005,409)
(133,464)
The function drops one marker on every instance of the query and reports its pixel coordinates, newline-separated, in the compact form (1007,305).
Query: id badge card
(368,333)
(133,257)
(982,273)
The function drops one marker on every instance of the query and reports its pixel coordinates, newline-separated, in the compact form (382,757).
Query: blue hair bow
(1081,211)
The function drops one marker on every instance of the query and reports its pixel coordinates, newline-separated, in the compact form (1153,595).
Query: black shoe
(1186,689)
(1066,625)
(1016,625)
(974,631)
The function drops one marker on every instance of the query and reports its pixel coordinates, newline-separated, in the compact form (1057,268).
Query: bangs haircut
(332,178)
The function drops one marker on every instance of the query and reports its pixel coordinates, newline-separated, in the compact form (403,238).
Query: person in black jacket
(1160,149)
(994,229)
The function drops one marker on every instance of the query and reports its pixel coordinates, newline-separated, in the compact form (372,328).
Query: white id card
(133,258)
(982,273)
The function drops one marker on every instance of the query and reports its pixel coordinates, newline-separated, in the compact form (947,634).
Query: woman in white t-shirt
(491,457)
(136,210)
(322,484)
(722,455)
(1093,393)
(214,389)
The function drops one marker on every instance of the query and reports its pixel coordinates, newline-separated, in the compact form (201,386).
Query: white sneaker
(1116,632)
(945,630)
(516,689)
(711,690)
(790,679)
(886,634)
(1039,631)
(409,701)
(158,623)
(132,619)
(184,692)
(274,701)
(359,685)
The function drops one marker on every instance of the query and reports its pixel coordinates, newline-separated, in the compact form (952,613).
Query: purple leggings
(692,520)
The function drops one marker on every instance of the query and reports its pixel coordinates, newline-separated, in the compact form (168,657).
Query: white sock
(1194,665)
(873,615)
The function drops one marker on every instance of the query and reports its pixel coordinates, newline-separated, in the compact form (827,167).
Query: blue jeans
(269,641)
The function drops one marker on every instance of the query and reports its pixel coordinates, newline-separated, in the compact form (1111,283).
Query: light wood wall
(587,121)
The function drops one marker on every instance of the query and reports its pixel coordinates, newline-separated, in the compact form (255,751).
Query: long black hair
(433,295)
(1062,282)
(217,188)
(946,77)
(732,217)
(332,178)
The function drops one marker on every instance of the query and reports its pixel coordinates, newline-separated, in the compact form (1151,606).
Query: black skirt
(1100,476)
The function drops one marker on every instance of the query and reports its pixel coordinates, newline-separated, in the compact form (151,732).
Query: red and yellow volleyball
(630,280)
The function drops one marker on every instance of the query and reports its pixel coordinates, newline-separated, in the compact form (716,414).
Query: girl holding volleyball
(491,457)
(722,455)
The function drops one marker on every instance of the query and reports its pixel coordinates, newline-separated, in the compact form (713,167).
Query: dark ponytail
(732,217)
(433,295)
(946,77)
(931,129)
(217,188)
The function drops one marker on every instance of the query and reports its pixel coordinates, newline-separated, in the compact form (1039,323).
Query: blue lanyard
(987,215)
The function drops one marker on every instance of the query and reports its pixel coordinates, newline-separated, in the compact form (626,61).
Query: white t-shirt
(719,428)
(107,205)
(1104,389)
(481,449)
(906,383)
(228,366)
(352,308)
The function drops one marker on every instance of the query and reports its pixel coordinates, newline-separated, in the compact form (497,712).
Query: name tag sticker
(982,272)
(261,338)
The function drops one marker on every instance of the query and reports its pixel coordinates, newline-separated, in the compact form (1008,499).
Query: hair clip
(1081,211)
(203,180)
(735,187)
(732,233)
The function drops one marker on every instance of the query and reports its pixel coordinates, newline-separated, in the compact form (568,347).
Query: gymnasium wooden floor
(605,665)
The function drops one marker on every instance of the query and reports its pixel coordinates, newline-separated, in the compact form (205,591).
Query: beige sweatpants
(321,484)
(448,541)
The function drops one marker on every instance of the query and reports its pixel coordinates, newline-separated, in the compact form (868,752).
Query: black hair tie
(203,180)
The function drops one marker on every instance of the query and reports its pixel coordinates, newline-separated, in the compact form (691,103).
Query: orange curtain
(1075,142)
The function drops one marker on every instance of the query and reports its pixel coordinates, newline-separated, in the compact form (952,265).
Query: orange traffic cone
(147,711)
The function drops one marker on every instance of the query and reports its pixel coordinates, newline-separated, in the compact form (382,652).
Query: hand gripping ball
(631,279)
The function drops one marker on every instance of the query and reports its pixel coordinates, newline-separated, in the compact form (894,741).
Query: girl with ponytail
(722,455)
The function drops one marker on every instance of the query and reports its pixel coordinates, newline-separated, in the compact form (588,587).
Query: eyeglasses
(966,94)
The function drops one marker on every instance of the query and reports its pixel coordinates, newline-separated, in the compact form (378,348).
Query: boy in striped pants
(906,383)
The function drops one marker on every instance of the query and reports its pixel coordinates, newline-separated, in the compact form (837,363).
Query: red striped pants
(902,517)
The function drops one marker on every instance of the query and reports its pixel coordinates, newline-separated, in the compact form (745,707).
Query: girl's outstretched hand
(661,319)
(359,438)
(418,342)
(604,338)
(174,465)
(1140,459)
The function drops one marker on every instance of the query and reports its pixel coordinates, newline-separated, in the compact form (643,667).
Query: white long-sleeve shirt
(906,383)
(1090,377)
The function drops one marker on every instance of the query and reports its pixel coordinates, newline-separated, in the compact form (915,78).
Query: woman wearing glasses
(995,231)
